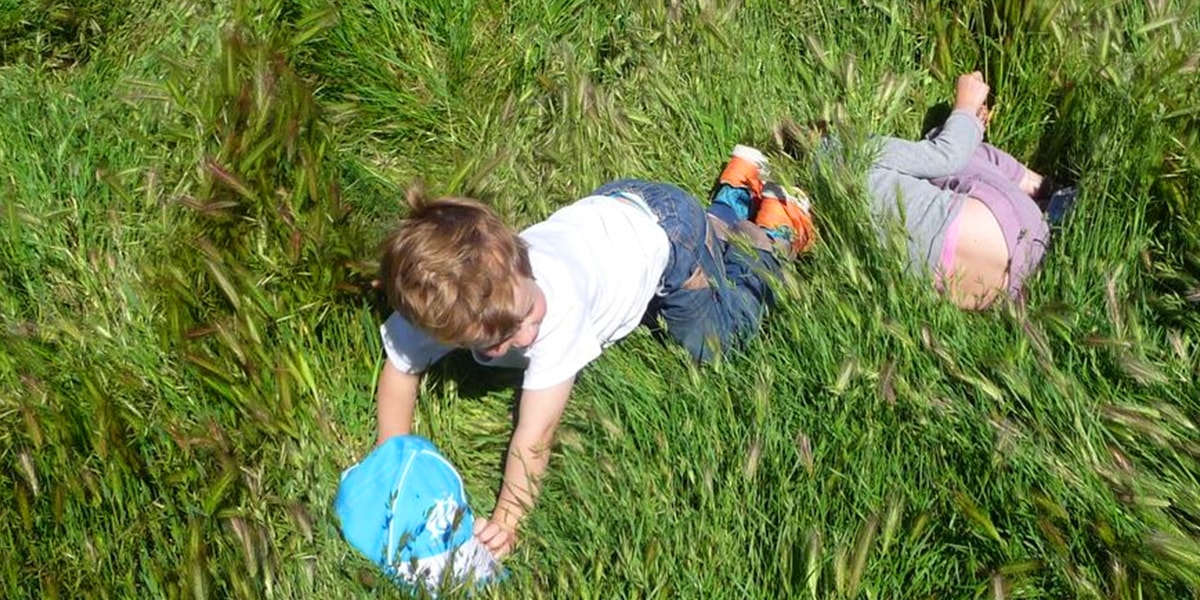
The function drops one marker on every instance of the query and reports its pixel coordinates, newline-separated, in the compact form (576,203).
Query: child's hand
(971,92)
(498,539)
(985,115)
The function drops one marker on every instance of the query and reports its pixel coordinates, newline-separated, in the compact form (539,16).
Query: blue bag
(404,508)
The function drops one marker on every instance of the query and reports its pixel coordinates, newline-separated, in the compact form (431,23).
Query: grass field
(191,196)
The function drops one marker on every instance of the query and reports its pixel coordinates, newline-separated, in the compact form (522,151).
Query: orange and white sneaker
(747,168)
(786,215)
(741,182)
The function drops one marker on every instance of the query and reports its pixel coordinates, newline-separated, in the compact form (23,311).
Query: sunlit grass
(191,199)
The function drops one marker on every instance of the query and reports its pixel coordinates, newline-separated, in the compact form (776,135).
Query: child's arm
(940,156)
(395,398)
(949,151)
(528,455)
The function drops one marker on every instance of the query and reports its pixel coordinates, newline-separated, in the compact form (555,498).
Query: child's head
(454,269)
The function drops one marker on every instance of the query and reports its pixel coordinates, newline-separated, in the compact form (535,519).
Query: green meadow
(191,195)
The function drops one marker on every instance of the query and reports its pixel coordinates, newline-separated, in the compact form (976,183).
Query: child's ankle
(735,197)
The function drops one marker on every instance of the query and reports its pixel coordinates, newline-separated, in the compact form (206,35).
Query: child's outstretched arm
(528,455)
(949,151)
(395,399)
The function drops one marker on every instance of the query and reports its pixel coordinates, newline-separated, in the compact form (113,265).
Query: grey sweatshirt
(901,193)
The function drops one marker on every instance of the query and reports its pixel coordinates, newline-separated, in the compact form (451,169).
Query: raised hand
(971,92)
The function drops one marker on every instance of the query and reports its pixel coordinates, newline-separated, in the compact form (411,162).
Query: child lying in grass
(549,299)
(968,208)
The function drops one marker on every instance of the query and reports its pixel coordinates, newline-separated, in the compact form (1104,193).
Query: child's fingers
(495,538)
(487,532)
(498,540)
(491,534)
(501,544)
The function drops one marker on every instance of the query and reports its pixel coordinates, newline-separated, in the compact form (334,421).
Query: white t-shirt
(598,261)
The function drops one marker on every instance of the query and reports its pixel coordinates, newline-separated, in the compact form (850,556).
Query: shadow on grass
(935,117)
(472,380)
(1055,145)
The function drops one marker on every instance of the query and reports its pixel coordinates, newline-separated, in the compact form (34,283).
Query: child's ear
(415,195)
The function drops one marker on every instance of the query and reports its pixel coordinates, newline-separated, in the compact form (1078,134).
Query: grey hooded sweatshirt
(901,193)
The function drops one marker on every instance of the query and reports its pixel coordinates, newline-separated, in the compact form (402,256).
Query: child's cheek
(533,334)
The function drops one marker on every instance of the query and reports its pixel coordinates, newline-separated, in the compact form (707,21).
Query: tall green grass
(191,198)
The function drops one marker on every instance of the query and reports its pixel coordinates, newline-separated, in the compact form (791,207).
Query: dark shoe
(1059,204)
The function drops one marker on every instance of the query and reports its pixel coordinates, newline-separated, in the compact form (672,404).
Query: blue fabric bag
(404,508)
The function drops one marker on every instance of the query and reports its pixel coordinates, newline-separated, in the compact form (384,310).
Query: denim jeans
(725,313)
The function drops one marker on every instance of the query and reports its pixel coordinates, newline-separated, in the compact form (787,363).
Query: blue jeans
(726,312)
